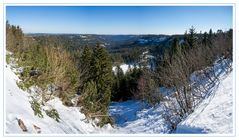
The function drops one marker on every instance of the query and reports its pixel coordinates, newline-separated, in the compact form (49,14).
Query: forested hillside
(90,77)
(58,72)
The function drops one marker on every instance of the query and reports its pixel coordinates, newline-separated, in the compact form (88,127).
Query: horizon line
(122,33)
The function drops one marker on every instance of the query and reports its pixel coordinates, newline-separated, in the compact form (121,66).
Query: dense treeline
(120,51)
(126,55)
(125,85)
(137,83)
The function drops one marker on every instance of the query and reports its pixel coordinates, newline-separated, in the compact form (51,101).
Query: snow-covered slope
(18,107)
(134,117)
(214,114)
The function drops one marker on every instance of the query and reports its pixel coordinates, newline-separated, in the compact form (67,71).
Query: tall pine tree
(84,66)
(101,78)
(192,38)
(210,38)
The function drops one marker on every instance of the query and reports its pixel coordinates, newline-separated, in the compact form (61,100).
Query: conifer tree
(101,68)
(117,84)
(192,38)
(101,74)
(89,97)
(86,58)
(205,38)
(210,38)
(84,67)
(174,48)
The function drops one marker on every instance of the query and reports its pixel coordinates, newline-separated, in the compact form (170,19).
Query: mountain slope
(214,114)
(72,121)
(134,116)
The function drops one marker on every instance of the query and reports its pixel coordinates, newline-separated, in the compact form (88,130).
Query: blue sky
(119,19)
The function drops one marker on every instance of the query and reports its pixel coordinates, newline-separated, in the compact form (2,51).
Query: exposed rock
(22,125)
(38,129)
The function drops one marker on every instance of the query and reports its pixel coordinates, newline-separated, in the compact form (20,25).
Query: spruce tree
(89,97)
(210,38)
(101,68)
(86,57)
(117,84)
(84,66)
(205,38)
(192,38)
(100,73)
(174,48)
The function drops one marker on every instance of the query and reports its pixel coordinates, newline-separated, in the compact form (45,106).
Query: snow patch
(124,67)
(137,117)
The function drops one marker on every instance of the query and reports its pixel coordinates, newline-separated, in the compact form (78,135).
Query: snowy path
(130,117)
